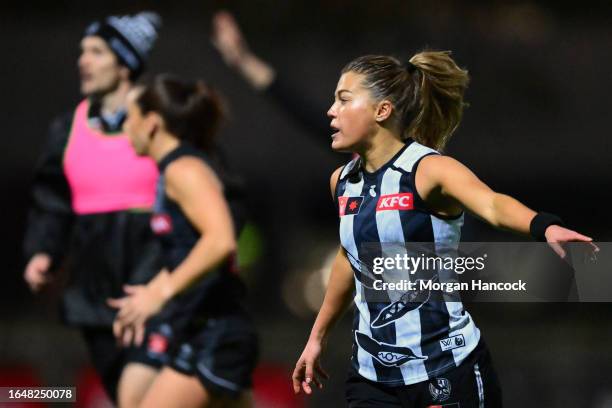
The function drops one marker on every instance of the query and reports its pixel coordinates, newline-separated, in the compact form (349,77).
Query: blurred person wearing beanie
(92,195)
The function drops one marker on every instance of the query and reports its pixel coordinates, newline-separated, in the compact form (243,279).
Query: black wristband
(540,222)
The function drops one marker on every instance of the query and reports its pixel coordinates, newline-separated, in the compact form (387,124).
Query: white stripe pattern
(366,366)
(407,328)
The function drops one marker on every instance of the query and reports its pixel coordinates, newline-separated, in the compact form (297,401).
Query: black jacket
(101,251)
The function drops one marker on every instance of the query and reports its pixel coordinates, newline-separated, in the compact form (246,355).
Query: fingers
(224,17)
(309,375)
(558,249)
(579,237)
(127,315)
(118,331)
(131,289)
(36,278)
(297,376)
(139,332)
(321,372)
(116,303)
(127,336)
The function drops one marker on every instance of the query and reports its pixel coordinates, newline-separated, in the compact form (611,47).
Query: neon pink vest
(104,172)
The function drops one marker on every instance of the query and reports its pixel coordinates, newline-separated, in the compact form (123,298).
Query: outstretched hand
(308,370)
(556,236)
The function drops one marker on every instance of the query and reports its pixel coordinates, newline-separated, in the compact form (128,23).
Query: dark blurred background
(537,129)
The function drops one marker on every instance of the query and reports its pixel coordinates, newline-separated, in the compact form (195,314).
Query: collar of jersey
(360,168)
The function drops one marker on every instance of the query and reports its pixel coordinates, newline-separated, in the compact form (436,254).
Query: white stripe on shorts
(479,386)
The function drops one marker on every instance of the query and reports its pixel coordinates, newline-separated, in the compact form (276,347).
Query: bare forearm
(510,214)
(338,296)
(258,73)
(204,257)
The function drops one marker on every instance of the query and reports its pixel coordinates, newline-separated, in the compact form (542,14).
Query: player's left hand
(556,236)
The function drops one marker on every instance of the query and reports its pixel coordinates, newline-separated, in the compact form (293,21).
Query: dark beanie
(130,37)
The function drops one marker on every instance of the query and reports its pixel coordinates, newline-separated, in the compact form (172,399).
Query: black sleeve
(50,215)
(308,114)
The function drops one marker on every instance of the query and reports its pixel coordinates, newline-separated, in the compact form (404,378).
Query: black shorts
(474,384)
(221,351)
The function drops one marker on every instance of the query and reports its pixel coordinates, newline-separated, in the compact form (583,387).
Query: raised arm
(231,44)
(448,186)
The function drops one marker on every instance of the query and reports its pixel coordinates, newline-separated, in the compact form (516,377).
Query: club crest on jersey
(440,389)
(349,205)
(399,201)
(161,224)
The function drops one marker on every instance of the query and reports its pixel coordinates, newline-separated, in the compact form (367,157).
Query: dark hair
(192,111)
(426,93)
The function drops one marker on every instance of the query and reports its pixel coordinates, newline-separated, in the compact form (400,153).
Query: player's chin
(140,151)
(86,88)
(339,144)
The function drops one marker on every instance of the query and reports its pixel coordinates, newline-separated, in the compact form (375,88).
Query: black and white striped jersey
(399,342)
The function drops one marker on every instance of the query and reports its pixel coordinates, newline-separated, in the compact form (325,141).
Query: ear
(384,109)
(153,123)
(124,73)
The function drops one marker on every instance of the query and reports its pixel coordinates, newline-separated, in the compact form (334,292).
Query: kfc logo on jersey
(399,201)
(349,205)
(161,224)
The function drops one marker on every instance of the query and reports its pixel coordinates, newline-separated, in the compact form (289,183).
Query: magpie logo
(399,308)
(440,389)
(388,355)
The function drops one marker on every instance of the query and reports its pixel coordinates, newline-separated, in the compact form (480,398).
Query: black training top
(218,291)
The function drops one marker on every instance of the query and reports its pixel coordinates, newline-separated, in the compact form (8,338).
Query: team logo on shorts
(157,344)
(161,224)
(349,205)
(440,389)
(399,201)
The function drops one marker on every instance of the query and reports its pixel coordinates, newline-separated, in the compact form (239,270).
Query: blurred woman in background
(200,348)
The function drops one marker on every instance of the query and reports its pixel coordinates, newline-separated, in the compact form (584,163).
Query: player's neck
(164,143)
(384,146)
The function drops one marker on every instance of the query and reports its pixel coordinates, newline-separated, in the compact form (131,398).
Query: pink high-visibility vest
(104,172)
